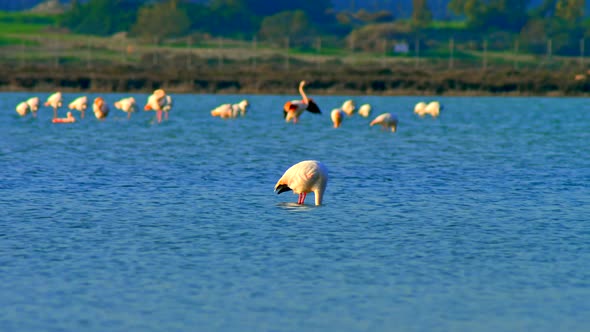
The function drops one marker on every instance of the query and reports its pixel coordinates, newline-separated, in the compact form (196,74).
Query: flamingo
(348,107)
(55,101)
(126,105)
(79,104)
(336,116)
(100,108)
(22,108)
(433,108)
(420,109)
(68,119)
(292,109)
(386,120)
(157,101)
(305,177)
(30,105)
(365,110)
(231,110)
(166,106)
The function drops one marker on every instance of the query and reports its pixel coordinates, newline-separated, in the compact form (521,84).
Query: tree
(292,24)
(569,10)
(509,15)
(101,17)
(161,20)
(421,14)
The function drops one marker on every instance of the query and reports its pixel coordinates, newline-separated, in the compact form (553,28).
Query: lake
(478,220)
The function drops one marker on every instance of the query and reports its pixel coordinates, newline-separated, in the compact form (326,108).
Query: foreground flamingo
(126,105)
(79,104)
(365,110)
(292,109)
(68,119)
(226,111)
(31,105)
(386,120)
(100,108)
(305,177)
(55,101)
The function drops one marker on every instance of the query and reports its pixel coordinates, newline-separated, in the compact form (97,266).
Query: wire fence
(62,50)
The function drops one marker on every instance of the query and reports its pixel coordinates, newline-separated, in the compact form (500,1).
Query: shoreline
(341,81)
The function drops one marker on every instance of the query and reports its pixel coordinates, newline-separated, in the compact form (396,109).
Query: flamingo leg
(128,115)
(166,116)
(301,199)
(159,116)
(54,112)
(82,115)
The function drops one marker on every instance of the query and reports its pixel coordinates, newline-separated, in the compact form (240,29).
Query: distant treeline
(502,21)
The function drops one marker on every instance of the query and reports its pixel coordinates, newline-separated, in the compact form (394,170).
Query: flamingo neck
(302,93)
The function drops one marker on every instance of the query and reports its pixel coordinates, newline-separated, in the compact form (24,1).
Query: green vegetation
(129,31)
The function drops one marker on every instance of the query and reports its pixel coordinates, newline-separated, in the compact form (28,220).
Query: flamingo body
(54,101)
(126,105)
(293,109)
(226,111)
(337,115)
(68,119)
(365,110)
(100,108)
(305,177)
(348,107)
(386,120)
(79,104)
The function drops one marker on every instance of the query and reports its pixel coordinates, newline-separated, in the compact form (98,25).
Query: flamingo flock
(158,101)
(309,176)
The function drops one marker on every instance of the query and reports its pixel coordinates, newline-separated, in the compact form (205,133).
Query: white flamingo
(420,108)
(227,111)
(79,104)
(386,120)
(365,110)
(100,108)
(55,101)
(432,108)
(348,107)
(337,115)
(292,109)
(305,177)
(30,105)
(126,105)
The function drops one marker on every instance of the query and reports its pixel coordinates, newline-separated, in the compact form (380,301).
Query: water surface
(474,221)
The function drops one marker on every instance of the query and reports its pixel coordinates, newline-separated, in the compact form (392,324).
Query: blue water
(476,221)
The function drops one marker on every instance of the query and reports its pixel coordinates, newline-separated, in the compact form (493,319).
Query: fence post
(516,54)
(384,61)
(88,53)
(254,47)
(451,50)
(56,52)
(417,50)
(155,58)
(485,54)
(319,50)
(582,52)
(189,57)
(219,53)
(287,54)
